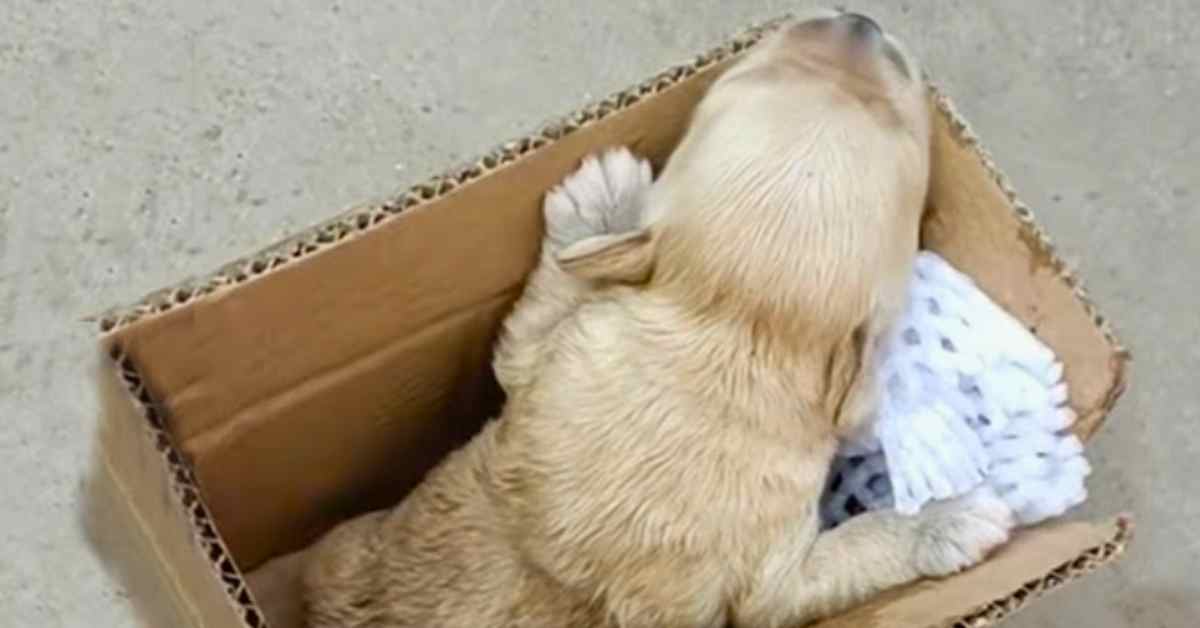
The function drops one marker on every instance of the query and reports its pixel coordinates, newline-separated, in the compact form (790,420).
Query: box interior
(330,375)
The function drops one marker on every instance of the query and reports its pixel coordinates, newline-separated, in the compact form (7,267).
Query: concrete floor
(142,142)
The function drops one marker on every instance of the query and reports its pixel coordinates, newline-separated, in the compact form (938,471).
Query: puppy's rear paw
(959,533)
(603,197)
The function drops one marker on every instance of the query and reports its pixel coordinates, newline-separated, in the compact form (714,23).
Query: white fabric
(968,396)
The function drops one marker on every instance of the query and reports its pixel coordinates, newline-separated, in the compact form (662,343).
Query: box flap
(145,519)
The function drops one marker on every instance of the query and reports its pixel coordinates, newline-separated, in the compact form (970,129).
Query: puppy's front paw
(959,533)
(603,197)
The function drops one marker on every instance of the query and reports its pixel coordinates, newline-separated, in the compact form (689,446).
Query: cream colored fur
(678,372)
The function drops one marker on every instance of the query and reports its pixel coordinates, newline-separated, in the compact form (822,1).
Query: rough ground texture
(142,142)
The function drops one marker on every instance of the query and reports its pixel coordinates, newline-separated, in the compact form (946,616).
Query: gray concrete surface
(144,141)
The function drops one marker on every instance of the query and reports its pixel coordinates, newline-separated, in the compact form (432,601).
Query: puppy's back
(444,557)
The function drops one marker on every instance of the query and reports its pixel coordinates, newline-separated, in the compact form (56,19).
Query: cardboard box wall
(250,411)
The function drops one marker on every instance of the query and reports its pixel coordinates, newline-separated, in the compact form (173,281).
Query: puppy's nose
(860,26)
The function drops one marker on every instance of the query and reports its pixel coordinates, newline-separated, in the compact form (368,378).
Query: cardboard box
(250,411)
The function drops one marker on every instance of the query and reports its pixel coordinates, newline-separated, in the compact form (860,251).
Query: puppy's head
(798,186)
(792,204)
(831,71)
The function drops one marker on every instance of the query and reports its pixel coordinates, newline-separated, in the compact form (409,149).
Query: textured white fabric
(968,396)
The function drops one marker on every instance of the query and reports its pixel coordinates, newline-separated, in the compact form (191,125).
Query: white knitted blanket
(968,396)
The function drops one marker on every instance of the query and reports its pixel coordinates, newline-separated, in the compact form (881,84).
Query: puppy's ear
(619,258)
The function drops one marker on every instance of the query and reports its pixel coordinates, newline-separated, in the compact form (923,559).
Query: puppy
(678,372)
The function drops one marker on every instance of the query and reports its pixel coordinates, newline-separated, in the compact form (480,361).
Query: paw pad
(604,196)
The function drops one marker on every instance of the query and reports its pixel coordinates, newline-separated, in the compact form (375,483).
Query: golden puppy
(678,372)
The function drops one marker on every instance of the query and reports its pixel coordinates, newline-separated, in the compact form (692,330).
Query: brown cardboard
(140,481)
(250,411)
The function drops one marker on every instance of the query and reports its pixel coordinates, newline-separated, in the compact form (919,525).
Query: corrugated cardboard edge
(1087,562)
(361,219)
(1041,244)
(146,448)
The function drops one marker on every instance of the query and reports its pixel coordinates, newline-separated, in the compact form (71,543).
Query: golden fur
(678,372)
